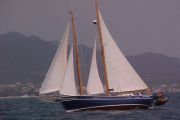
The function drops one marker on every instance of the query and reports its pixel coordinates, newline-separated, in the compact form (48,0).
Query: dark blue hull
(106,102)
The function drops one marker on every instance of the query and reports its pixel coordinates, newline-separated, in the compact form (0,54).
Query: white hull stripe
(86,108)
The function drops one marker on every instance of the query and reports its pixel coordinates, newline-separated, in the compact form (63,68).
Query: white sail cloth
(55,75)
(94,85)
(121,76)
(68,86)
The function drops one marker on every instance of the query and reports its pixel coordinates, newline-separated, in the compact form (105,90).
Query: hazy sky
(138,26)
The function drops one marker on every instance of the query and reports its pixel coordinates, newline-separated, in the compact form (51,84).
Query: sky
(138,26)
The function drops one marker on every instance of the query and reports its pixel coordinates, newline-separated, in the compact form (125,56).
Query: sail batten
(94,85)
(55,74)
(121,75)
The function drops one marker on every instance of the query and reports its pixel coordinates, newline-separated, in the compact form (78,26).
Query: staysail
(121,75)
(68,86)
(94,85)
(57,69)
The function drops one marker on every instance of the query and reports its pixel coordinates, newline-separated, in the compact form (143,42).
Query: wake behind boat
(123,89)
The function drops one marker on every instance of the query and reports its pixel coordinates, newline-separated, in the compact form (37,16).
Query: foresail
(94,85)
(121,76)
(57,69)
(68,86)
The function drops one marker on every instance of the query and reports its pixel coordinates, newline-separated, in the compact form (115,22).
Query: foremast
(102,49)
(80,82)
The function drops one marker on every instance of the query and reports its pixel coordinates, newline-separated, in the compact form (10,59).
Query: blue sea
(34,109)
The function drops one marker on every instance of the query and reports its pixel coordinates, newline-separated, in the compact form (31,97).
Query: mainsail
(68,86)
(94,85)
(57,69)
(121,76)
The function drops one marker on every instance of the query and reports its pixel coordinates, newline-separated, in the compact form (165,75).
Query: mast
(102,49)
(76,52)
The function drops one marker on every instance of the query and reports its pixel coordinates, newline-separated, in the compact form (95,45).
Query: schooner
(123,89)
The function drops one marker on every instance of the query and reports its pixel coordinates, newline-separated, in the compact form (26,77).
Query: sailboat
(123,89)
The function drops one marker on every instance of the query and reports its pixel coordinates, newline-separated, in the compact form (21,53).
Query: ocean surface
(34,109)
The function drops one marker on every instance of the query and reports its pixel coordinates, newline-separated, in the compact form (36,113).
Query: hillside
(24,62)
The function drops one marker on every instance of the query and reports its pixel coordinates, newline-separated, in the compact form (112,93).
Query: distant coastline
(17,97)
(23,69)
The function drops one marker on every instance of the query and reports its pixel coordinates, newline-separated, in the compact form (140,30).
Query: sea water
(34,109)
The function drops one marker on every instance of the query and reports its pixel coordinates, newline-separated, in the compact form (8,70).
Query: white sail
(57,69)
(68,86)
(94,85)
(121,76)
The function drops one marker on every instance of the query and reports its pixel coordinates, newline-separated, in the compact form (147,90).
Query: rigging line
(99,65)
(83,63)
(70,7)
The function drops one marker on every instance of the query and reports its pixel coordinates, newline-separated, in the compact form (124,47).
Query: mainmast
(77,54)
(102,48)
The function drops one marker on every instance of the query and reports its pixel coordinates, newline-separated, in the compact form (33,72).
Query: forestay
(55,75)
(121,76)
(94,85)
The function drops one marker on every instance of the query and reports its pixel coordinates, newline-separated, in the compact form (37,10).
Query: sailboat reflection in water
(124,89)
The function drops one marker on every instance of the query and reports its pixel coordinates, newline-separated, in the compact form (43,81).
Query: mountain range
(24,62)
